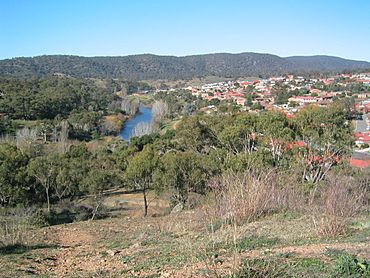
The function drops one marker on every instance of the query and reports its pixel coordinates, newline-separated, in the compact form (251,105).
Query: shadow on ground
(22,248)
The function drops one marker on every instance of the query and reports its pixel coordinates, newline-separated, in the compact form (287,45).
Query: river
(144,115)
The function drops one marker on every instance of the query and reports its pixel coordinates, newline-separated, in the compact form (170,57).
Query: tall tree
(140,172)
(44,169)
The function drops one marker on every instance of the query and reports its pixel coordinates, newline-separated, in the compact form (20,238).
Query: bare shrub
(244,197)
(159,110)
(14,227)
(141,129)
(339,200)
(130,107)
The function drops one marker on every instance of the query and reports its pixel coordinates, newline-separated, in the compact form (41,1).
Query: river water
(144,115)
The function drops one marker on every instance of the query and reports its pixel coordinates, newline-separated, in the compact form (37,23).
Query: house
(303,99)
(362,138)
(360,160)
(240,100)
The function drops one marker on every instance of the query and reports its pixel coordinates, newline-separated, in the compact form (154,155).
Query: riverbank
(143,116)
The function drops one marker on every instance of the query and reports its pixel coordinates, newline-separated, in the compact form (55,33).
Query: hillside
(148,66)
(182,245)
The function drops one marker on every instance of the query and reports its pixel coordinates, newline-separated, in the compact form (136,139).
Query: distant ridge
(149,66)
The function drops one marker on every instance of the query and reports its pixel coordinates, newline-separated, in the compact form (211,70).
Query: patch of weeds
(161,238)
(118,244)
(309,265)
(305,241)
(254,242)
(359,235)
(214,250)
(360,225)
(99,274)
(166,257)
(38,220)
(287,215)
(216,225)
(104,254)
(348,265)
(258,268)
(278,267)
(148,241)
(126,259)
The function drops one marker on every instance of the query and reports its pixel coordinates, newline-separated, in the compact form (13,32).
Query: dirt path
(77,252)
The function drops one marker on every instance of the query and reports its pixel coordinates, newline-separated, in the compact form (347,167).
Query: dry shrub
(13,229)
(339,200)
(244,197)
(16,226)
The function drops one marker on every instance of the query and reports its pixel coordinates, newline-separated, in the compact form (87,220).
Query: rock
(178,208)
(112,252)
(135,245)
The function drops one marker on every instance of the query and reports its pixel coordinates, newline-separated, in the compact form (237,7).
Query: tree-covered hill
(325,63)
(148,66)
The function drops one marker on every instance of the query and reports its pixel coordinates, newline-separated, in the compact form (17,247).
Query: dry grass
(341,199)
(246,197)
(13,231)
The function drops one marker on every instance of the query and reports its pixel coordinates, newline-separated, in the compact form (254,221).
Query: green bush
(347,265)
(38,219)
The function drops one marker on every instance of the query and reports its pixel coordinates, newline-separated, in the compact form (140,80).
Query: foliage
(350,266)
(147,66)
(14,181)
(140,172)
(183,172)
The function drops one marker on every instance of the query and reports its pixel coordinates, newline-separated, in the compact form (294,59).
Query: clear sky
(182,27)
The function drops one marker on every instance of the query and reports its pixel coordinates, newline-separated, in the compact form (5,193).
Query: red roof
(362,136)
(360,163)
(298,144)
(289,115)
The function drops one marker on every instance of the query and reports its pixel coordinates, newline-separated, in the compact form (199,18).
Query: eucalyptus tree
(140,170)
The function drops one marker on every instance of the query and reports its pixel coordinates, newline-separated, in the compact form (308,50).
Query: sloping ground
(177,245)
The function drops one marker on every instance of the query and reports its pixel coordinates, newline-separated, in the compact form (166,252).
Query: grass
(254,242)
(279,267)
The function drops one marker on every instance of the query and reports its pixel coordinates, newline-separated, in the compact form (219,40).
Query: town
(289,94)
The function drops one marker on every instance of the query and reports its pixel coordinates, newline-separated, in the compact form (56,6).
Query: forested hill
(147,66)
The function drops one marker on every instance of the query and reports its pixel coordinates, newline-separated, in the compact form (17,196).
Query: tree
(328,136)
(70,173)
(130,107)
(44,169)
(249,100)
(63,136)
(184,172)
(257,106)
(102,176)
(239,133)
(140,172)
(142,128)
(277,133)
(160,111)
(13,175)
(194,133)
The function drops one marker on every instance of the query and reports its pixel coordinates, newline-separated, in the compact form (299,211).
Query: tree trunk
(145,204)
(48,198)
(95,210)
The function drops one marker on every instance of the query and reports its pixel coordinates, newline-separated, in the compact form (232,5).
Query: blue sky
(183,27)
